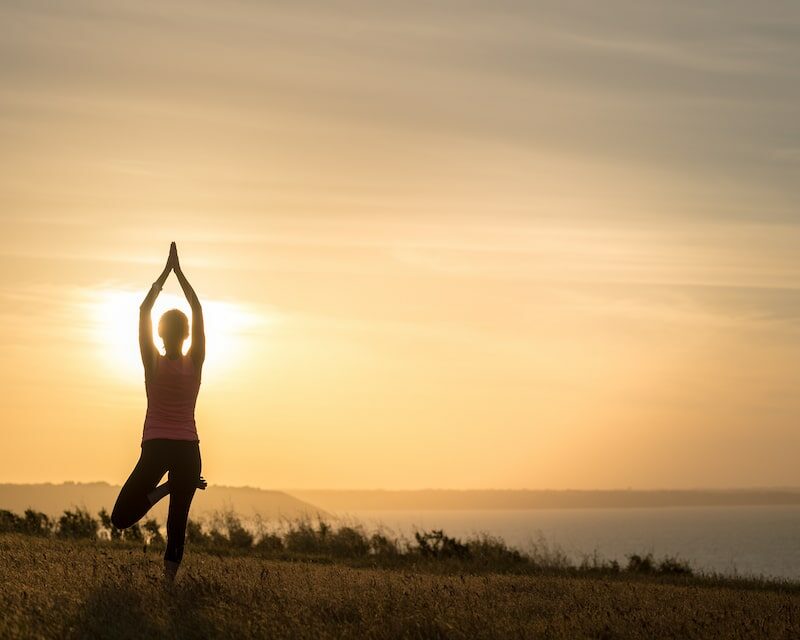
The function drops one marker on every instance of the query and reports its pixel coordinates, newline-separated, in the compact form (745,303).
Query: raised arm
(146,345)
(198,349)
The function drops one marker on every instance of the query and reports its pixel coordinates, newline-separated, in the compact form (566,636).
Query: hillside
(52,499)
(53,588)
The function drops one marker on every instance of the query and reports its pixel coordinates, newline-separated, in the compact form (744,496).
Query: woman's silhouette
(169,436)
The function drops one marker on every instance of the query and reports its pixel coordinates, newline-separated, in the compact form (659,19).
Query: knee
(119,520)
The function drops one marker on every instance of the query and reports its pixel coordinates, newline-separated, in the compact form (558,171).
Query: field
(56,588)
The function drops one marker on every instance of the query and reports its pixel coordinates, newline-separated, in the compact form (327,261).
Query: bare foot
(163,489)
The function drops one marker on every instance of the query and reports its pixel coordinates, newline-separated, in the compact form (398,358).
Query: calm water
(743,540)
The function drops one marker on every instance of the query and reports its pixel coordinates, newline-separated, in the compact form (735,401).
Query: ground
(52,588)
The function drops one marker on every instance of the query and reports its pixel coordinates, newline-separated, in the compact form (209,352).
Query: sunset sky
(438,244)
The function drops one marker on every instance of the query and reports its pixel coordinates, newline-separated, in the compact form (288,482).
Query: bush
(133,533)
(348,542)
(546,556)
(303,538)
(195,534)
(322,539)
(37,523)
(153,531)
(435,544)
(382,545)
(673,566)
(105,521)
(270,542)
(77,524)
(10,522)
(238,536)
(490,549)
(228,531)
(345,542)
(667,566)
(596,563)
(640,564)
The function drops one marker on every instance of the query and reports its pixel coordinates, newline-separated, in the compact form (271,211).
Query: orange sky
(462,245)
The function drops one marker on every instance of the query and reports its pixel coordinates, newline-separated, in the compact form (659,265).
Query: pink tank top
(171,397)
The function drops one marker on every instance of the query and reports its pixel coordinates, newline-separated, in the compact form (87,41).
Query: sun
(115,328)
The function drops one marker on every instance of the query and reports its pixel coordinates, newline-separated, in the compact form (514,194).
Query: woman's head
(173,328)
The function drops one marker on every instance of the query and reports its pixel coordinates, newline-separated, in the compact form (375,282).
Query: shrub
(322,539)
(549,557)
(77,524)
(303,538)
(640,564)
(153,531)
(10,522)
(492,549)
(382,545)
(133,533)
(238,536)
(348,542)
(596,563)
(105,521)
(228,531)
(270,542)
(195,534)
(37,523)
(673,566)
(435,544)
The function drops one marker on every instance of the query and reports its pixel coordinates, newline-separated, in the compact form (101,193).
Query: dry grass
(53,588)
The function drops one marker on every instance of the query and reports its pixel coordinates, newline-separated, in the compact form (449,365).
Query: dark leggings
(181,458)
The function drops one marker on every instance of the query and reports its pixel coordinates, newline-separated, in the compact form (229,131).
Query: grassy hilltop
(53,587)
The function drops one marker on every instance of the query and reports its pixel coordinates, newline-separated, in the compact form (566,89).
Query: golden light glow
(560,251)
(115,317)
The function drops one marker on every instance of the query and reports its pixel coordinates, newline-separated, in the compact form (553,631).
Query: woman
(169,436)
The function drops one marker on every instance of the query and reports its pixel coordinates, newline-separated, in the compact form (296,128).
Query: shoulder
(153,368)
(196,358)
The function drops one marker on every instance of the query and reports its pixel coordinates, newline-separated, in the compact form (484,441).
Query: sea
(757,541)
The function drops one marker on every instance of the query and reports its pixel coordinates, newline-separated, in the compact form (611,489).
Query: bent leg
(184,474)
(163,489)
(133,501)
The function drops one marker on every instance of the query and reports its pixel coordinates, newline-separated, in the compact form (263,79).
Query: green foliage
(302,538)
(133,534)
(10,522)
(32,522)
(641,564)
(435,544)
(493,550)
(270,543)
(594,563)
(77,524)
(383,546)
(105,521)
(195,534)
(37,523)
(673,566)
(237,535)
(153,531)
(348,542)
(226,530)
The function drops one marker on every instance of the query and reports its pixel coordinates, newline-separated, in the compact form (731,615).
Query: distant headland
(449,499)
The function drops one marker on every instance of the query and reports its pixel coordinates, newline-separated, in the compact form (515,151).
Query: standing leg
(184,474)
(133,502)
